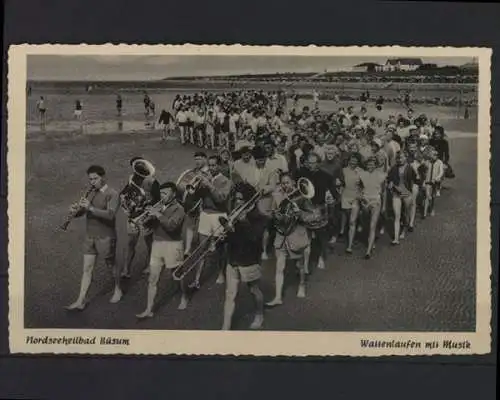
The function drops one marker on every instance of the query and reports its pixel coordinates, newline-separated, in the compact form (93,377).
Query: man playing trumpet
(167,248)
(100,212)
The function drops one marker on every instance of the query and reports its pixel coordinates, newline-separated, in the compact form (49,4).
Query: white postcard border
(261,343)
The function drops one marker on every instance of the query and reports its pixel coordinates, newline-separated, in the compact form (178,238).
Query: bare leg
(259,305)
(117,293)
(396,205)
(413,208)
(189,240)
(408,204)
(279,278)
(182,134)
(375,212)
(352,226)
(301,291)
(232,282)
(322,238)
(265,241)
(154,276)
(428,193)
(184,296)
(88,268)
(307,257)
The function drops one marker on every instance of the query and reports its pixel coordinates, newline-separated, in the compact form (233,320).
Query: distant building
(402,64)
(470,67)
(366,67)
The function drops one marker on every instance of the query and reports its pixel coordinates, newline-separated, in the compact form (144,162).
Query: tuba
(189,185)
(287,215)
(134,198)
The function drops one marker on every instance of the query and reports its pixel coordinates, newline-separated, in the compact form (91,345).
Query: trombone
(207,245)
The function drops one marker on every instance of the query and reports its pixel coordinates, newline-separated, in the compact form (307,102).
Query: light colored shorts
(166,253)
(77,113)
(248,273)
(348,202)
(372,202)
(209,224)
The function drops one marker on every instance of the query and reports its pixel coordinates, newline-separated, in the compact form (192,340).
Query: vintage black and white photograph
(249,200)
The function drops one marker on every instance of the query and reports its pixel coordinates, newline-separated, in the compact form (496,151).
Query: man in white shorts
(167,249)
(215,201)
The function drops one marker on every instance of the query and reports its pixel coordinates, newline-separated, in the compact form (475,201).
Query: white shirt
(233,119)
(181,116)
(277,161)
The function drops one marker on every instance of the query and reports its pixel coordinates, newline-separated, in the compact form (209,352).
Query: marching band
(286,180)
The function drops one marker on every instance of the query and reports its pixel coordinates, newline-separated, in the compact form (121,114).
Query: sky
(127,67)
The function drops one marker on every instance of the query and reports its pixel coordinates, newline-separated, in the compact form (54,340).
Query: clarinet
(72,215)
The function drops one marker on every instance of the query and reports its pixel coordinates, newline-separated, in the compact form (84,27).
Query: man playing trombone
(244,240)
(214,192)
(167,249)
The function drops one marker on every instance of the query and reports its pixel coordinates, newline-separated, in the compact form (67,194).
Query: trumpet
(76,209)
(159,206)
(207,245)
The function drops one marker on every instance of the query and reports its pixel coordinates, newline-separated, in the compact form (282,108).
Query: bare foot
(321,263)
(220,279)
(117,296)
(301,292)
(264,256)
(274,302)
(257,322)
(183,304)
(145,314)
(77,306)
